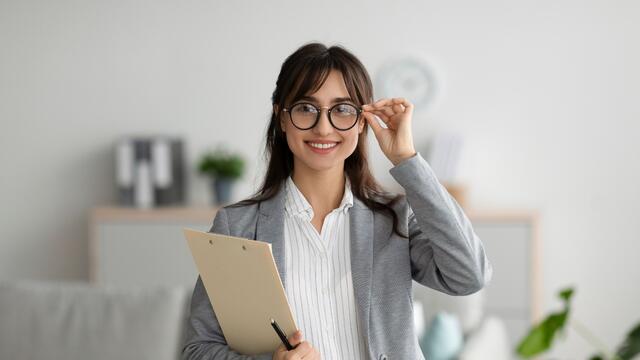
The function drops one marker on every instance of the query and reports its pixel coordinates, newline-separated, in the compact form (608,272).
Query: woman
(346,250)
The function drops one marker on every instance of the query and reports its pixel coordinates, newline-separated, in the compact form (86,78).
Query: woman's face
(300,141)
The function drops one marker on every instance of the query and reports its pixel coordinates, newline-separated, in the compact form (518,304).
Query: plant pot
(222,190)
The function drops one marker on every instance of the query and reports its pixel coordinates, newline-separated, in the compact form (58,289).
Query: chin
(323,165)
(318,162)
(315,163)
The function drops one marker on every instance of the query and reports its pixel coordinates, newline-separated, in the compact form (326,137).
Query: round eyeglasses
(342,116)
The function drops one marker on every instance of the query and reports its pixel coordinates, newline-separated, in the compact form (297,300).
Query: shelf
(205,213)
(142,247)
(121,213)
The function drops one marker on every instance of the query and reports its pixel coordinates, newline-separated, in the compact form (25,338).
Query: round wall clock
(410,78)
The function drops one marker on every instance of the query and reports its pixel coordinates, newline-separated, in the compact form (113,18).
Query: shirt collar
(296,204)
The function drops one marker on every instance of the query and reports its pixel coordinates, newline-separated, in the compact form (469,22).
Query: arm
(446,254)
(204,338)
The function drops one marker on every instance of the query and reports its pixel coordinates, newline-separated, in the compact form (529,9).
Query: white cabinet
(131,247)
(512,245)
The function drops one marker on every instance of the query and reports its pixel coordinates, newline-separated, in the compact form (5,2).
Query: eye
(345,109)
(304,109)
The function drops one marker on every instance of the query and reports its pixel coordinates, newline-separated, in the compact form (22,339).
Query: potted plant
(224,168)
(541,336)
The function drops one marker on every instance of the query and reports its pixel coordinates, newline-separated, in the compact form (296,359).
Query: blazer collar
(270,228)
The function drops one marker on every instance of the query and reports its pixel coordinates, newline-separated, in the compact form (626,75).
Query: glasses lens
(303,115)
(344,116)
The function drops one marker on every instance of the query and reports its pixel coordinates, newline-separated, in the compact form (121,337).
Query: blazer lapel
(361,237)
(270,228)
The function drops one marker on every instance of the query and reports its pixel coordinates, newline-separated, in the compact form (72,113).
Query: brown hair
(302,73)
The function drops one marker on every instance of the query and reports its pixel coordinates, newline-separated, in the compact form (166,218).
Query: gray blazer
(443,252)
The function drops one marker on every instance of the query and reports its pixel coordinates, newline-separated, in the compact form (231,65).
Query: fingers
(383,116)
(390,106)
(389,111)
(303,349)
(296,338)
(373,122)
(390,102)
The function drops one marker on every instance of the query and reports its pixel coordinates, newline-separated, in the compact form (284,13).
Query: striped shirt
(319,284)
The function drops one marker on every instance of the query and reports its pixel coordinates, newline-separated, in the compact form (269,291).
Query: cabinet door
(151,252)
(509,243)
(512,295)
(144,253)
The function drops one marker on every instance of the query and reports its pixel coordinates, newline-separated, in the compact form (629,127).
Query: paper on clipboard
(245,290)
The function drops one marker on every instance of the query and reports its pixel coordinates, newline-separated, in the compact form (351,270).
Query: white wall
(543,93)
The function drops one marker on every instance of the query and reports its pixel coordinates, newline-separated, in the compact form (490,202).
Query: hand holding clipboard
(301,349)
(244,288)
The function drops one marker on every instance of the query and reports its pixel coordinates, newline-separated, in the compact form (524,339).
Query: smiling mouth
(322,146)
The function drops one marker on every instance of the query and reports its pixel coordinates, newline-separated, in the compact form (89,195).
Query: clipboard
(245,289)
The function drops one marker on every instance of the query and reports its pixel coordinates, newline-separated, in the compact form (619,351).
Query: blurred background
(527,111)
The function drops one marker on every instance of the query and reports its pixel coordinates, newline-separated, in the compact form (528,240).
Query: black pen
(281,335)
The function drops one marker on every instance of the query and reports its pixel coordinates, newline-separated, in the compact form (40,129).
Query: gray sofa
(69,321)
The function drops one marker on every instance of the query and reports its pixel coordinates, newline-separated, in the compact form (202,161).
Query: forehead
(319,86)
(333,85)
(333,89)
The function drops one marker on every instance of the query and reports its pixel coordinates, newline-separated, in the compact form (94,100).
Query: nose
(323,127)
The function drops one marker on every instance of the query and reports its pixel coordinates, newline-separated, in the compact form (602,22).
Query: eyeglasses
(342,116)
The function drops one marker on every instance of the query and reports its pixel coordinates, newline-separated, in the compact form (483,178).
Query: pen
(281,335)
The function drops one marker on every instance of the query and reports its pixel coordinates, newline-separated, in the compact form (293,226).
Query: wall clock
(408,77)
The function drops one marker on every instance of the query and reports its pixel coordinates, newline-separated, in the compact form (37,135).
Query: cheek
(350,142)
(293,137)
(293,141)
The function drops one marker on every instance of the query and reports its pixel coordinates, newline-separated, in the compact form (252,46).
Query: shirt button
(383,357)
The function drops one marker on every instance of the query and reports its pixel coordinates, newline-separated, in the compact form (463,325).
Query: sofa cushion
(78,321)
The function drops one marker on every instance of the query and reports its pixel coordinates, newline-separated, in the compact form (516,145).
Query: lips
(321,150)
(322,141)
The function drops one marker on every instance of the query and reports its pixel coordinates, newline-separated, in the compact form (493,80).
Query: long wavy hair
(303,73)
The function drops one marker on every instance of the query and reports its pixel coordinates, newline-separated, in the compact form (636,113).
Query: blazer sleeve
(203,336)
(446,254)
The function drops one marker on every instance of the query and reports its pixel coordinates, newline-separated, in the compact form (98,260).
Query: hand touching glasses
(396,141)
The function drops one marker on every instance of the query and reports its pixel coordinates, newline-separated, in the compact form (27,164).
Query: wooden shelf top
(206,214)
(181,213)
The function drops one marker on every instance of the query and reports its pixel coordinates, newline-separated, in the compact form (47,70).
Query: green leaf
(631,345)
(566,294)
(540,337)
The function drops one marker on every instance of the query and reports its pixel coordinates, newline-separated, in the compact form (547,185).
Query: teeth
(322,146)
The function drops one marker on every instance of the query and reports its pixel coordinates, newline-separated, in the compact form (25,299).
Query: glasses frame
(319,113)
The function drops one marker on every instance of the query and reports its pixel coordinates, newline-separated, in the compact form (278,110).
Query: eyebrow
(335,100)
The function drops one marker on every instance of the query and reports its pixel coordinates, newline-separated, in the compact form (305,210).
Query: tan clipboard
(245,290)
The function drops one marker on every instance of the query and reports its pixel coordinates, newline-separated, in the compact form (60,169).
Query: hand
(304,350)
(396,141)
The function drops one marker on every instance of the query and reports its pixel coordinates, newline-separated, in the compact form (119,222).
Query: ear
(361,123)
(276,111)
